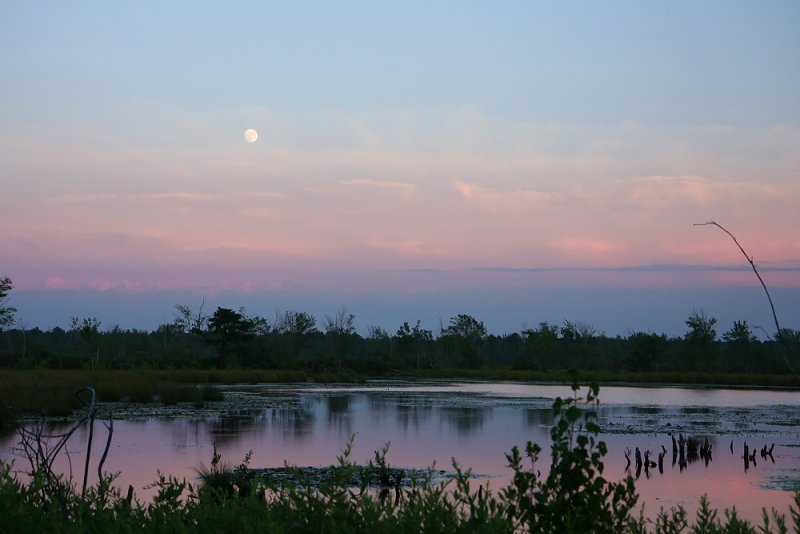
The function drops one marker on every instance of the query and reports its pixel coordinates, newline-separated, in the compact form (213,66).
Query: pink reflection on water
(723,480)
(432,425)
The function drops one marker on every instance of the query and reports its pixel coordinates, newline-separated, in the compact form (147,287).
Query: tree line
(229,338)
(297,340)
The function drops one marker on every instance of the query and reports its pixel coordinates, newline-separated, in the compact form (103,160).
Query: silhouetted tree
(6,312)
(467,334)
(645,351)
(227,328)
(575,338)
(739,343)
(788,342)
(339,329)
(295,328)
(700,339)
(89,330)
(414,343)
(191,322)
(380,346)
(540,346)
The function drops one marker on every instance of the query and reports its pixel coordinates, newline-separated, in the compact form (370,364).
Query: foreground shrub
(574,496)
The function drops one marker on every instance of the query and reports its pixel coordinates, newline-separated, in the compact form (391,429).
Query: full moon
(250,135)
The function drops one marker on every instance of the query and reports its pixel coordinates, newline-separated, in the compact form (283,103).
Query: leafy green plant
(573,496)
(220,480)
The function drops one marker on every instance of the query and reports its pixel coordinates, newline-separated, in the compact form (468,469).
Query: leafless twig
(42,449)
(110,428)
(778,329)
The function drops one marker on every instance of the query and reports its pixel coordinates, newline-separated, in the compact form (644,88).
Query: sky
(517,161)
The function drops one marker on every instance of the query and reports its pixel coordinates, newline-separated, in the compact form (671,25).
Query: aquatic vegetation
(572,496)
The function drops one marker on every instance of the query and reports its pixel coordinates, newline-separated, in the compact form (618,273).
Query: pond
(429,423)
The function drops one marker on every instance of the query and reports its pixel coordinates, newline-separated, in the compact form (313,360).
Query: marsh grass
(50,392)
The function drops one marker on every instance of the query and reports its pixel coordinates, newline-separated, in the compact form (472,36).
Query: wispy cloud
(502,201)
(586,246)
(666,191)
(401,187)
(96,283)
(416,270)
(650,268)
(254,248)
(177,195)
(408,246)
(83,199)
(174,196)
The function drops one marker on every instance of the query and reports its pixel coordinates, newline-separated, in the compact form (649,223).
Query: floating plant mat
(783,479)
(729,421)
(369,476)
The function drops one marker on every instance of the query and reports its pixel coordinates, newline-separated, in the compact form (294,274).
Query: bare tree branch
(41,449)
(110,428)
(749,259)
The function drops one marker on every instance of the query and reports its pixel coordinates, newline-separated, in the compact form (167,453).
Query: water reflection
(339,414)
(186,431)
(652,410)
(231,426)
(749,455)
(538,417)
(294,423)
(478,424)
(413,417)
(696,451)
(464,420)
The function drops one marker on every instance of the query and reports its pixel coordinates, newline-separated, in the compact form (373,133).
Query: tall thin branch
(749,259)
(110,428)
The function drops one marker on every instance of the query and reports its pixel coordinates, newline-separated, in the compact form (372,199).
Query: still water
(430,423)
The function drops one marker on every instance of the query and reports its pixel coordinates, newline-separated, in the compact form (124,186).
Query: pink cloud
(207,197)
(82,199)
(587,247)
(178,196)
(401,187)
(55,283)
(468,191)
(406,247)
(96,283)
(498,201)
(665,191)
(654,191)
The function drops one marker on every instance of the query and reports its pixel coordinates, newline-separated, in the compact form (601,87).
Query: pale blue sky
(723,62)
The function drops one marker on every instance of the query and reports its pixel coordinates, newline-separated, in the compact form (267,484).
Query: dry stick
(35,442)
(110,427)
(88,457)
(753,265)
(91,415)
(46,457)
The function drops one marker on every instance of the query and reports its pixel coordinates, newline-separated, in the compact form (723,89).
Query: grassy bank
(52,392)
